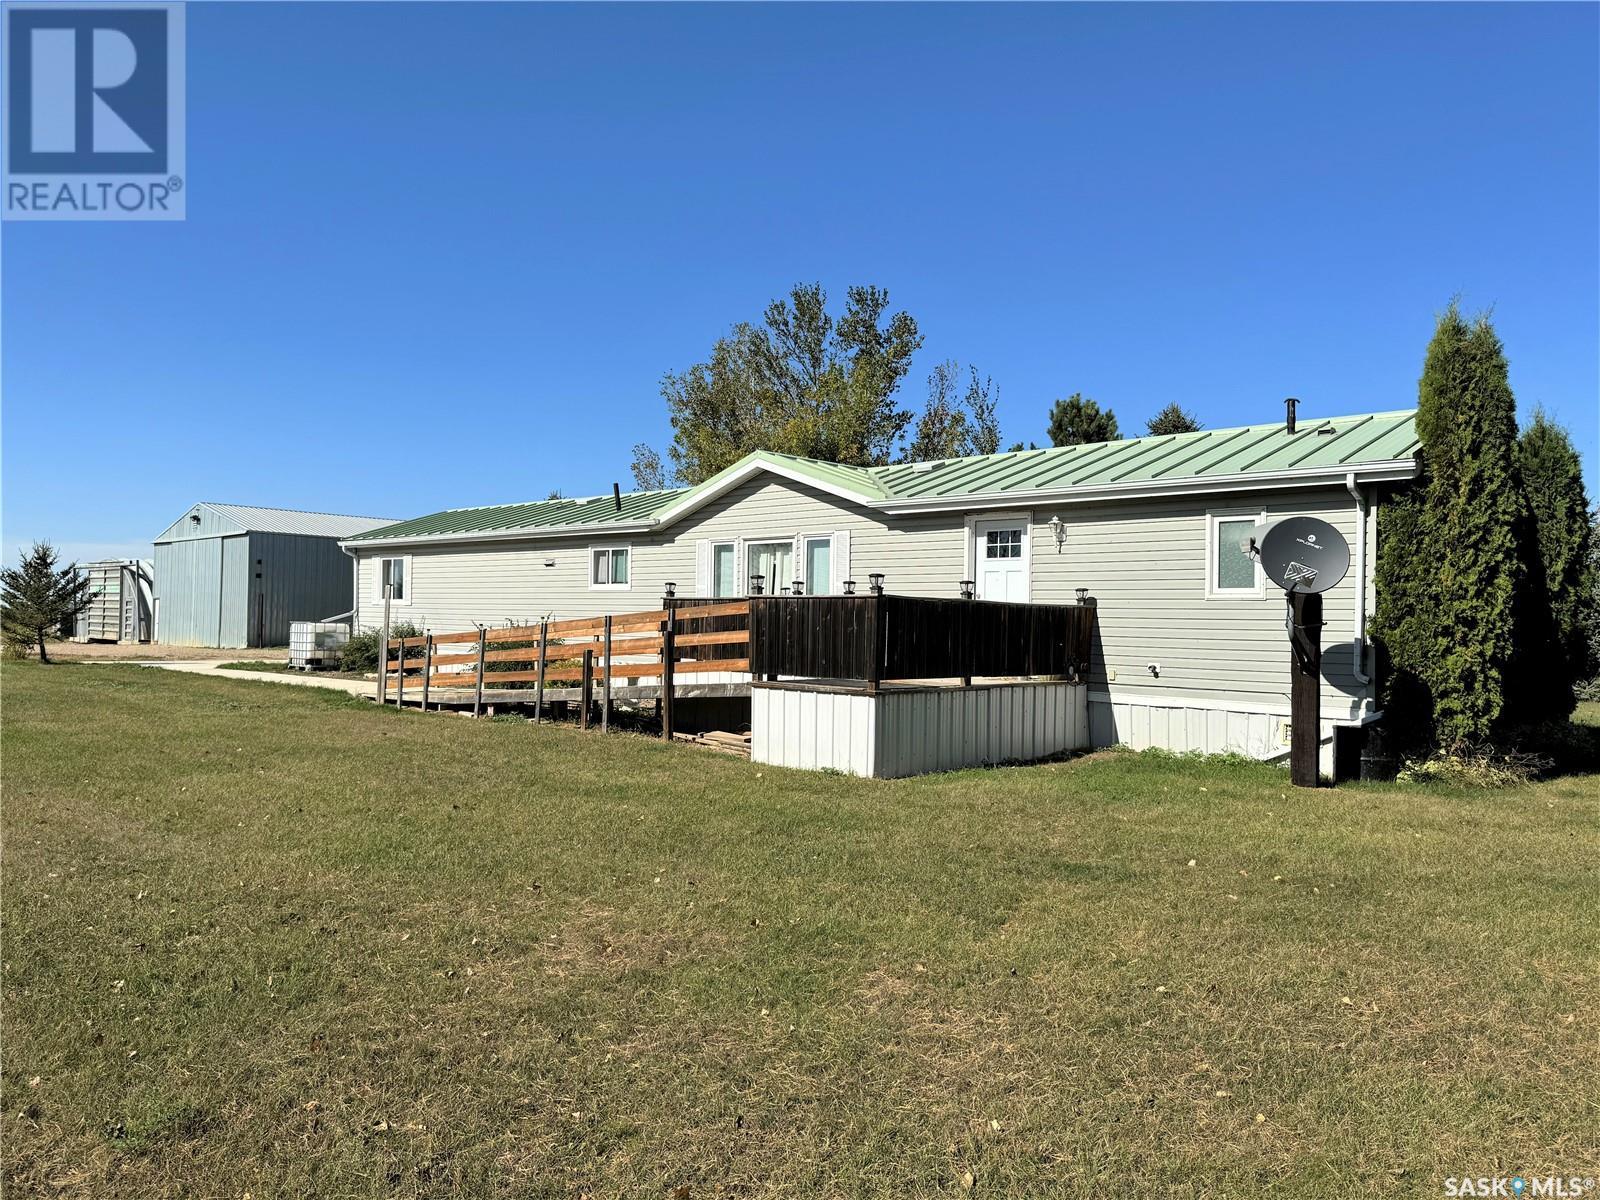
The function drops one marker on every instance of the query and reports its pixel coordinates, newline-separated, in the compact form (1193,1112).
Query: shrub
(1478,768)
(360,653)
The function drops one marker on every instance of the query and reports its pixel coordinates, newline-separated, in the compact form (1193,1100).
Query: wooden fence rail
(658,645)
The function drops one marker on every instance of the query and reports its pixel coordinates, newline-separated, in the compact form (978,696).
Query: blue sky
(415,230)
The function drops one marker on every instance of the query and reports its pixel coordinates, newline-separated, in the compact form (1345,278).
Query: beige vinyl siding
(1144,562)
(1145,565)
(452,587)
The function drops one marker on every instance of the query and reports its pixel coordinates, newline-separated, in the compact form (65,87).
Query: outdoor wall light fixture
(1060,530)
(549,562)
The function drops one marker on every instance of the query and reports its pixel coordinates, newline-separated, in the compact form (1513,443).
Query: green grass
(278,941)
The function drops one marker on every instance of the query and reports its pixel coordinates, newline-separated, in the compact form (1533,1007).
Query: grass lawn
(276,941)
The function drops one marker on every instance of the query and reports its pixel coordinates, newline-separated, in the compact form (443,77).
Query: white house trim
(720,485)
(1214,519)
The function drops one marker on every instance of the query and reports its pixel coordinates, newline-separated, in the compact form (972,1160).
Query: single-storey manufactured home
(1191,652)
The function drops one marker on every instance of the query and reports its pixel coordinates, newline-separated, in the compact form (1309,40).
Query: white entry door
(1000,557)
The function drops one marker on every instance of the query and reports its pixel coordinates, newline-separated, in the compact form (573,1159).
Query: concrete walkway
(355,687)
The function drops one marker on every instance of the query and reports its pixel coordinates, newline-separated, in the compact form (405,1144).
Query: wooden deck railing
(660,645)
(878,637)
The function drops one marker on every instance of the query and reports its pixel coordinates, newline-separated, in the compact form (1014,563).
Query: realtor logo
(94,112)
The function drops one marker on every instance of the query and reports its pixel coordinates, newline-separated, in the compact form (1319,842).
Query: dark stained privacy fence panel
(914,637)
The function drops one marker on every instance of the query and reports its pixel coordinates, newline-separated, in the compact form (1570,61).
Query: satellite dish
(1303,554)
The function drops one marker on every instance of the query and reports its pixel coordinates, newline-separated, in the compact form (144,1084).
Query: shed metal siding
(211,524)
(219,585)
(189,585)
(302,579)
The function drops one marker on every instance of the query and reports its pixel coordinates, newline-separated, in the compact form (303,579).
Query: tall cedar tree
(1448,571)
(1172,419)
(798,383)
(1562,528)
(36,599)
(1077,420)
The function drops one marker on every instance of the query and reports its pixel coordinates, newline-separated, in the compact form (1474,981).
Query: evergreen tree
(1449,570)
(1078,420)
(1172,419)
(1558,509)
(36,599)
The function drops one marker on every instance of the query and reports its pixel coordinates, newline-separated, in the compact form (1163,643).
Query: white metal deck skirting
(903,731)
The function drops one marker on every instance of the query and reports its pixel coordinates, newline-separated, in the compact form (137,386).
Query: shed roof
(1251,456)
(249,519)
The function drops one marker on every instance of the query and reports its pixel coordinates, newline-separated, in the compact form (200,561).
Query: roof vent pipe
(616,495)
(1289,406)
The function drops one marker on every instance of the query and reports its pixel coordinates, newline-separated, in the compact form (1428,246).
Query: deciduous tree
(798,383)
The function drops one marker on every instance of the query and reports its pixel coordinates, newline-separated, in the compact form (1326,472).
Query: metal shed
(121,608)
(233,575)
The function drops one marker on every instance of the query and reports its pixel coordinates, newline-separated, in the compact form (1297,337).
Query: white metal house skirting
(1187,725)
(903,731)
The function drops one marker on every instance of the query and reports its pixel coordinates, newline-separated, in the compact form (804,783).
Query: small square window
(1002,543)
(394,577)
(1230,569)
(609,568)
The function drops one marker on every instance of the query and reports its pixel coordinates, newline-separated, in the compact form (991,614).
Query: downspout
(1358,644)
(355,587)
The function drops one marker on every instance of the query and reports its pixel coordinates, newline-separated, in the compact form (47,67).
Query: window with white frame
(1230,570)
(774,562)
(608,567)
(725,570)
(393,574)
(819,565)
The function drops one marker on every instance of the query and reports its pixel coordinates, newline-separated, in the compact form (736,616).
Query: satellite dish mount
(1305,557)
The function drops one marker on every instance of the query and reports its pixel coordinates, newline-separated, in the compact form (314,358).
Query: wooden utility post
(605,704)
(383,648)
(477,695)
(1305,688)
(586,691)
(544,647)
(427,667)
(669,649)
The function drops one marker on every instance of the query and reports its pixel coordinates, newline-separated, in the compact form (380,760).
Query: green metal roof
(637,508)
(1331,445)
(1211,453)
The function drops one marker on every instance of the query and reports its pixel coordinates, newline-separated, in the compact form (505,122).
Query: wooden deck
(697,648)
